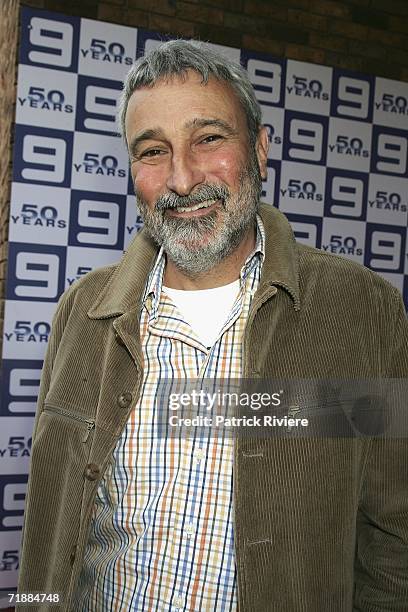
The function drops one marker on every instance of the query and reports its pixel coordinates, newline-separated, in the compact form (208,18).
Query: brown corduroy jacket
(320,524)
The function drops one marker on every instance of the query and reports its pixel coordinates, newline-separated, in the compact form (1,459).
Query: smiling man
(121,518)
(197,175)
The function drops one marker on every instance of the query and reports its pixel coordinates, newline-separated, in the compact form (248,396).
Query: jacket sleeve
(381,568)
(57,329)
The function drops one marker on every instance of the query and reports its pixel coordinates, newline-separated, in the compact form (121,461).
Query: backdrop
(338,168)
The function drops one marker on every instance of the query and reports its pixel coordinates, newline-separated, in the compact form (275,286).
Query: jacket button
(124,400)
(92,471)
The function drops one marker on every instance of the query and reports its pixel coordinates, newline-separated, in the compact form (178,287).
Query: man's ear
(262,148)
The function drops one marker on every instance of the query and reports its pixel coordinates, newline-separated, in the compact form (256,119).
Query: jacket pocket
(87,424)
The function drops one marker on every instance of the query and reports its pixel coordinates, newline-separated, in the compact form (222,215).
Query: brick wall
(366,35)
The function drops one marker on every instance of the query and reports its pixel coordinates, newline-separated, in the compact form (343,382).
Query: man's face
(197,180)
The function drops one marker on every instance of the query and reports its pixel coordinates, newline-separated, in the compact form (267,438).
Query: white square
(46,98)
(99,163)
(387,200)
(39,214)
(344,237)
(308,87)
(27,327)
(349,145)
(391,103)
(15,457)
(302,188)
(106,50)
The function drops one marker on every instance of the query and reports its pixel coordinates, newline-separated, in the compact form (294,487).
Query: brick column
(9,15)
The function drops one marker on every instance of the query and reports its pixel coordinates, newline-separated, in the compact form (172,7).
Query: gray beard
(198,244)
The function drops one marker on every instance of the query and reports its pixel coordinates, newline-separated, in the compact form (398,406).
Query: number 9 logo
(55,38)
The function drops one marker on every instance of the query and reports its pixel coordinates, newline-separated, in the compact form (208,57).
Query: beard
(196,245)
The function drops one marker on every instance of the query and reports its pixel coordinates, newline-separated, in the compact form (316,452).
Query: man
(119,518)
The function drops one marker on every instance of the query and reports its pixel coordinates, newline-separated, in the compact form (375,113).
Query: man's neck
(227,271)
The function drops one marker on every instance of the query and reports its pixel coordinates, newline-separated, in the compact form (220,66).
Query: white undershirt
(205,310)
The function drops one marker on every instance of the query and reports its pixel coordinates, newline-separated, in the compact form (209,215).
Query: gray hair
(175,57)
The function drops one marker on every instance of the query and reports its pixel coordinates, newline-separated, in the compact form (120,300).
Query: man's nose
(184,174)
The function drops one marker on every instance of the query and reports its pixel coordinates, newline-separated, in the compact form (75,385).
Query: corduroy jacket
(320,523)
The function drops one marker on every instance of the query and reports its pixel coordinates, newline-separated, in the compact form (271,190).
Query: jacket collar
(281,254)
(125,287)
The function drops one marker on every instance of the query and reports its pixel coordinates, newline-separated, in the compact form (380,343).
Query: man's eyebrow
(151,134)
(201,123)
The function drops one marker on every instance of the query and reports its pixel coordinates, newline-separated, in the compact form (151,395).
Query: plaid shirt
(162,531)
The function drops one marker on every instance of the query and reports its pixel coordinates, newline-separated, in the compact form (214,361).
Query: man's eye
(211,138)
(151,153)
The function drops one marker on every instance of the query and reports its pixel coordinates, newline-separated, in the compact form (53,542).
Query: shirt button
(124,400)
(199,455)
(178,602)
(92,471)
(189,529)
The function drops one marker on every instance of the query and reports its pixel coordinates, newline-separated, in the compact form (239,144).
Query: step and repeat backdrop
(338,168)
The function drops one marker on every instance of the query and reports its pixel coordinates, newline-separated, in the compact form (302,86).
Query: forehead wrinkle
(199,122)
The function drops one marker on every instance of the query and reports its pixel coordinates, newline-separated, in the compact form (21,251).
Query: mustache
(202,194)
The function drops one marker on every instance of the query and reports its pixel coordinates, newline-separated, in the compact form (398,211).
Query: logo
(53,100)
(391,103)
(12,499)
(17,447)
(26,331)
(42,216)
(266,78)
(49,40)
(385,249)
(105,166)
(307,88)
(346,194)
(390,151)
(346,145)
(35,272)
(21,383)
(342,245)
(300,190)
(101,51)
(97,105)
(388,201)
(42,156)
(305,139)
(352,97)
(97,222)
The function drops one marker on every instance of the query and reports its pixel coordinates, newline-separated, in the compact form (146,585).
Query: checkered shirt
(161,536)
